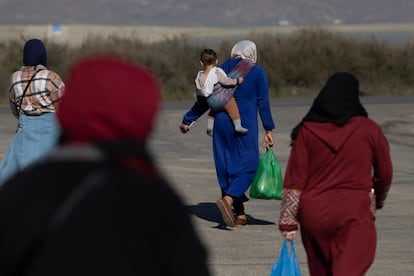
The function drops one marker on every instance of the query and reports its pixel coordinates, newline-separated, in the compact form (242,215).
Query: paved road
(186,160)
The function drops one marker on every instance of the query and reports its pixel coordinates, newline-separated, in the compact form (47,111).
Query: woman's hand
(268,139)
(184,128)
(289,235)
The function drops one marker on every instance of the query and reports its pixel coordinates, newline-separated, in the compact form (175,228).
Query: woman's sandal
(226,212)
(241,220)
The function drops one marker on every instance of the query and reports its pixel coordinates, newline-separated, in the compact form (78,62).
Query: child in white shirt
(205,82)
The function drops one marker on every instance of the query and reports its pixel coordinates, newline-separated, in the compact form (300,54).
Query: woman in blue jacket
(236,156)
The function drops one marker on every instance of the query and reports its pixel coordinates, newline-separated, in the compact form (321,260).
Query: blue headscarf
(34,53)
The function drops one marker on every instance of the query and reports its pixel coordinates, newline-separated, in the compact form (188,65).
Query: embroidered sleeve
(289,209)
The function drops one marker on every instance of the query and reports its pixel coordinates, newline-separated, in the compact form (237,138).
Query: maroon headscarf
(107,99)
(111,104)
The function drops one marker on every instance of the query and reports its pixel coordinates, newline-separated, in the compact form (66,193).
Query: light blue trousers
(36,136)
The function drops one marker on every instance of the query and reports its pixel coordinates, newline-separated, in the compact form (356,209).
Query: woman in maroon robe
(338,156)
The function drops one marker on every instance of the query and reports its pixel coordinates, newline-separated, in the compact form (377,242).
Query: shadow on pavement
(209,211)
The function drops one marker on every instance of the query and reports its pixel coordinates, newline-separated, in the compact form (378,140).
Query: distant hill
(222,13)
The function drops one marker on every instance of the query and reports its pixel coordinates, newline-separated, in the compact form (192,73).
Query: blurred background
(300,42)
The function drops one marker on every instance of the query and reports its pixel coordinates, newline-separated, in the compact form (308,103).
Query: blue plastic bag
(287,264)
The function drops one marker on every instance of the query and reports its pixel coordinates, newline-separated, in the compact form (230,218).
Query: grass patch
(298,61)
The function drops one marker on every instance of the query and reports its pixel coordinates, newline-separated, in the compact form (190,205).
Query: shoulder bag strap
(18,108)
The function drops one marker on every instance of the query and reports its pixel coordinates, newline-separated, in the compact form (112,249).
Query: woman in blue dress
(236,156)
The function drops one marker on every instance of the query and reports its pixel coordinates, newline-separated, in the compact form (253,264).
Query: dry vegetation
(298,61)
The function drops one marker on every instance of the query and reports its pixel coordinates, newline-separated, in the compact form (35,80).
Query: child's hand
(184,128)
(241,79)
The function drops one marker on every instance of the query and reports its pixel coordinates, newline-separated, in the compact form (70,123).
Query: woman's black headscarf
(337,102)
(34,53)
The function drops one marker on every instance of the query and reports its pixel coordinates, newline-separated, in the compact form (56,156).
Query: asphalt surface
(187,162)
